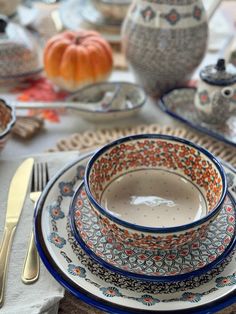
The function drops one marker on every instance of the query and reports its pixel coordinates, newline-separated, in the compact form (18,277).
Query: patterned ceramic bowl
(155,191)
(7,120)
(112,9)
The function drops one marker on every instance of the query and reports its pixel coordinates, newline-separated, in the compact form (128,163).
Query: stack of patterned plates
(197,277)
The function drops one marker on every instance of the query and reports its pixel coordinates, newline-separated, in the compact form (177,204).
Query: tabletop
(70,124)
(220,38)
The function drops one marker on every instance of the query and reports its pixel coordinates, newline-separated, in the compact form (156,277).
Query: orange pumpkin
(73,59)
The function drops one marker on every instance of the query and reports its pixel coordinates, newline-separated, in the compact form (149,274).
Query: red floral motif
(171,256)
(79,203)
(230,229)
(83,194)
(229,209)
(129,252)
(195,245)
(227,240)
(184,252)
(77,213)
(158,258)
(212,257)
(161,154)
(221,248)
(143,257)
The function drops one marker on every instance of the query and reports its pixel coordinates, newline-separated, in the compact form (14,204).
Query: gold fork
(31,268)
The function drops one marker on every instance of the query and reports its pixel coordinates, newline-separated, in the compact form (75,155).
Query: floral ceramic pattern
(57,240)
(148,14)
(197,13)
(76,270)
(66,188)
(226,281)
(156,154)
(172,17)
(97,279)
(55,211)
(134,284)
(204,97)
(155,242)
(108,249)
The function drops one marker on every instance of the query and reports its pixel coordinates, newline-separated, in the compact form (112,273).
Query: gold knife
(16,198)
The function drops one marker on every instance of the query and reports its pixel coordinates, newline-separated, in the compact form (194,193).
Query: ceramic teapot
(215,99)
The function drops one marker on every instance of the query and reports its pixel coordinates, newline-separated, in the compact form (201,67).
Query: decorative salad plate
(109,291)
(179,103)
(79,13)
(190,259)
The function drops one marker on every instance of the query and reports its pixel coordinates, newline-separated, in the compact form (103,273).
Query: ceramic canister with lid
(20,54)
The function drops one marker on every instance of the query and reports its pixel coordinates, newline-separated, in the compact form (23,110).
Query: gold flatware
(31,267)
(16,198)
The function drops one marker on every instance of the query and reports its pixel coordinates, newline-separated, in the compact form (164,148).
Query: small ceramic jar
(19,51)
(215,99)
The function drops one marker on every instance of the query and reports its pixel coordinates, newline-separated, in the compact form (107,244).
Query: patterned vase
(164,41)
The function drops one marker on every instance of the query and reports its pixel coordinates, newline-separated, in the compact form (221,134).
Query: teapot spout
(227,92)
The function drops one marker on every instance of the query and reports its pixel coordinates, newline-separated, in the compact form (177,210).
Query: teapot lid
(219,74)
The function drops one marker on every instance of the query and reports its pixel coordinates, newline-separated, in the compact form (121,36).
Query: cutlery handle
(31,266)
(4,256)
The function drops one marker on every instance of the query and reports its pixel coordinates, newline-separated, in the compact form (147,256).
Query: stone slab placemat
(91,140)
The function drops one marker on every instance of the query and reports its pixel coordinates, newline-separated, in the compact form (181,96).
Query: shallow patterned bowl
(112,9)
(7,121)
(155,191)
(124,100)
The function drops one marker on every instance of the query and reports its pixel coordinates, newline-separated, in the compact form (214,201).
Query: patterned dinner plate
(110,291)
(188,260)
(179,103)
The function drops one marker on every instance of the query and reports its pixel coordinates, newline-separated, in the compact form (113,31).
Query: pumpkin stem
(78,40)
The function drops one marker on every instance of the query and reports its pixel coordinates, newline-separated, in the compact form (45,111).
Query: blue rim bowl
(103,212)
